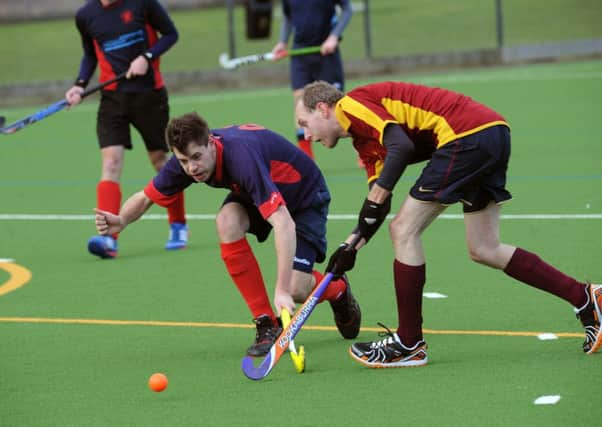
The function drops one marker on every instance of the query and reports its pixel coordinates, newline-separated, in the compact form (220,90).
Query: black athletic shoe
(389,352)
(347,313)
(267,332)
(590,319)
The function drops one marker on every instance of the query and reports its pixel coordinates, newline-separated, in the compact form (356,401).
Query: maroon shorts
(471,170)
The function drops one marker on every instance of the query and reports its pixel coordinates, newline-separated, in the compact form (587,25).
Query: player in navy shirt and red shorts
(123,36)
(314,23)
(271,184)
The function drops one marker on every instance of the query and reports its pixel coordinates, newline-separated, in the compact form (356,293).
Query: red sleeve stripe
(269,207)
(157,197)
(154,63)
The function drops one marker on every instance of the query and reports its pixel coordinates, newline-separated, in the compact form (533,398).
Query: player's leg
(113,132)
(482,197)
(482,236)
(149,113)
(233,221)
(405,347)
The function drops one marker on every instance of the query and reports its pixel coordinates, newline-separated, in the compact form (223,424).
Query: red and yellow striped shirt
(430,116)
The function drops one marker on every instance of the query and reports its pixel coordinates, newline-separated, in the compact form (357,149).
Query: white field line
(332,217)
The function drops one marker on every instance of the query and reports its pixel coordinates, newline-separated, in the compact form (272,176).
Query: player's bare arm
(134,207)
(286,243)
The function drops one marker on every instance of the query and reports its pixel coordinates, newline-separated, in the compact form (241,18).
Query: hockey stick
(51,109)
(298,357)
(231,63)
(283,341)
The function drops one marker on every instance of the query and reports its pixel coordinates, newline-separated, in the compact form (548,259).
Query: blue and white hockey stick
(51,109)
(283,341)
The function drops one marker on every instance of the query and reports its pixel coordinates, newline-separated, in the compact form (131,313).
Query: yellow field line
(249,326)
(19,276)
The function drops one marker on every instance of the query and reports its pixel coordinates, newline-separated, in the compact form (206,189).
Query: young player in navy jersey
(271,185)
(314,23)
(123,36)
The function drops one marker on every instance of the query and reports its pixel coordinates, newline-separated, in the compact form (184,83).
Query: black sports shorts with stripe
(470,170)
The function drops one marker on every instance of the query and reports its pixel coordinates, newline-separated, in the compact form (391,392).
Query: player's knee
(158,160)
(299,294)
(158,164)
(229,225)
(481,254)
(400,231)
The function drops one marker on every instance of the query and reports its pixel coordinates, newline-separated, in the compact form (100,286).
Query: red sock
(333,291)
(244,270)
(175,211)
(108,197)
(409,282)
(532,270)
(305,146)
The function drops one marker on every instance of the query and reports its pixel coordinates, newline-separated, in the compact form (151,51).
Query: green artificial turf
(82,337)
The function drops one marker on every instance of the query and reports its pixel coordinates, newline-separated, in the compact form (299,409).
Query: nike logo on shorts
(425,190)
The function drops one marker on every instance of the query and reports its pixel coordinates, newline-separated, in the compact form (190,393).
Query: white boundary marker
(335,217)
(547,337)
(433,295)
(547,400)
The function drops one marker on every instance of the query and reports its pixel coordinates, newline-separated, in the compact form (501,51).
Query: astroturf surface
(81,337)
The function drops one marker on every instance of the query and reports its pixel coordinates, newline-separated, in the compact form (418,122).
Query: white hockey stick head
(224,61)
(231,63)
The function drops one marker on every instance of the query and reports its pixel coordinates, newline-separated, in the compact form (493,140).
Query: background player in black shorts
(313,23)
(123,36)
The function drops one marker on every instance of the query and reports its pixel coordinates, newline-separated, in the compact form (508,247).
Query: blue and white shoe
(103,246)
(178,236)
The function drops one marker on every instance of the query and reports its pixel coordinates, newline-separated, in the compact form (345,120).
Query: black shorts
(307,69)
(310,227)
(471,170)
(148,112)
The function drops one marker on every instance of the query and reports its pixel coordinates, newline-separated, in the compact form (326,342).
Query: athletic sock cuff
(228,249)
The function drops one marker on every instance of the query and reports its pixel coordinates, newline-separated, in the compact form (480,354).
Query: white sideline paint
(547,400)
(547,336)
(7,260)
(332,217)
(433,295)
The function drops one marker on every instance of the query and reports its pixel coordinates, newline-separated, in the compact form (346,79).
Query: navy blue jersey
(113,36)
(253,162)
(312,20)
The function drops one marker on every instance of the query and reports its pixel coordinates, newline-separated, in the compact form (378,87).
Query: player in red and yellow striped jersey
(467,145)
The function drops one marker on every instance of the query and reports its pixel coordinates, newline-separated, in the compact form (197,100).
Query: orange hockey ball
(157,382)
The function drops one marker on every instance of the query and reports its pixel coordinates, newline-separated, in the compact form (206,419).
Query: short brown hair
(320,91)
(187,128)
